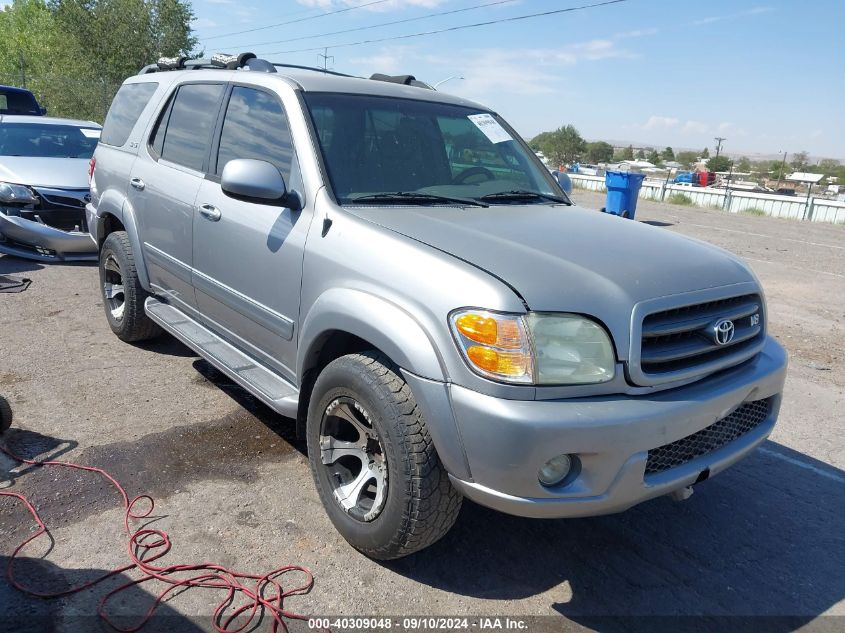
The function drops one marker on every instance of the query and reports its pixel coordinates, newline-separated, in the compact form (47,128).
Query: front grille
(684,338)
(726,430)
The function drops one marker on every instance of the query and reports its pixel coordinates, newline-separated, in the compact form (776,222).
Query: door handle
(210,212)
(137,183)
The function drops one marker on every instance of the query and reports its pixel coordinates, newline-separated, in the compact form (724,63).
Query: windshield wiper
(412,197)
(524,194)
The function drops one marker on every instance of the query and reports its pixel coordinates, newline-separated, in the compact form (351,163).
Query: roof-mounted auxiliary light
(172,63)
(231,62)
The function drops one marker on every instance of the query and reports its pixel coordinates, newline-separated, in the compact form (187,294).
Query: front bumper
(506,441)
(33,240)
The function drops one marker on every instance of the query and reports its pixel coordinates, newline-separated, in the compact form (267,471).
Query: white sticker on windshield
(490,127)
(88,132)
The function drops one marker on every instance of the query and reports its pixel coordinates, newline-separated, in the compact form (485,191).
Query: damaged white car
(44,187)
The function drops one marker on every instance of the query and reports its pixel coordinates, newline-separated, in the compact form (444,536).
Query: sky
(766,75)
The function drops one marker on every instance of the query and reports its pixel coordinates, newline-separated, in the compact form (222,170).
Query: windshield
(47,141)
(376,146)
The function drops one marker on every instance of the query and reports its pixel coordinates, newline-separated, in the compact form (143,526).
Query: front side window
(183,133)
(256,127)
(375,148)
(125,109)
(41,140)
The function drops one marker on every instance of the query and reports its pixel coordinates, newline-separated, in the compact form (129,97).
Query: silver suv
(394,269)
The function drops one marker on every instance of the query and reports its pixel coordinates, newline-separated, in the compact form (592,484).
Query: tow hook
(682,494)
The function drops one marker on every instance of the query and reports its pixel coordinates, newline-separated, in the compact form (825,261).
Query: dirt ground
(765,538)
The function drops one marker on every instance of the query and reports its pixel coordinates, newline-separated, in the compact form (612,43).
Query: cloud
(636,33)
(733,16)
(660,122)
(695,127)
(204,23)
(731,129)
(532,71)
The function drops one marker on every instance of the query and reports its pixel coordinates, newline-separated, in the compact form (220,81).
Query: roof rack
(249,61)
(405,80)
(222,61)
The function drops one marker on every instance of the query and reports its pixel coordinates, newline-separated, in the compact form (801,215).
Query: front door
(164,184)
(247,255)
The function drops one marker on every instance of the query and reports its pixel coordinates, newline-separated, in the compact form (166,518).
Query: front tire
(375,467)
(123,295)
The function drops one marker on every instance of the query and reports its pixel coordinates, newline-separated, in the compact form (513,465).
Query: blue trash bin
(623,188)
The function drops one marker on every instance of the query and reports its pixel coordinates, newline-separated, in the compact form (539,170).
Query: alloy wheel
(113,290)
(352,453)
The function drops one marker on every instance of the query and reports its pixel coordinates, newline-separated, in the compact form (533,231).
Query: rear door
(164,184)
(248,263)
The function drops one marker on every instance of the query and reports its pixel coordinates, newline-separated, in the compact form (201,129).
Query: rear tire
(123,295)
(364,395)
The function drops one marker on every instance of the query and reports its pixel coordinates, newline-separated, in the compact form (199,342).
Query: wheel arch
(345,321)
(114,215)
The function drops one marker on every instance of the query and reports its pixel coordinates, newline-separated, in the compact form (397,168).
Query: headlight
(537,348)
(21,194)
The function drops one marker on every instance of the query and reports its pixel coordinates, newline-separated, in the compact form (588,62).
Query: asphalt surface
(765,538)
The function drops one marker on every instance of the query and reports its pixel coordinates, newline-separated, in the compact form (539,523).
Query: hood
(568,258)
(59,173)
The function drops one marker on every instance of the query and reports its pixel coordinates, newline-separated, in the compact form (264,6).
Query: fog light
(555,470)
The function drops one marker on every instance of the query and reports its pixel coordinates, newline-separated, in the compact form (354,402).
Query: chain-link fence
(77,98)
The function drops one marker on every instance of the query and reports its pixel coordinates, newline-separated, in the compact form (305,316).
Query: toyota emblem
(723,331)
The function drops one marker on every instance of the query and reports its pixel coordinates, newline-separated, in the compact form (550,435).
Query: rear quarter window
(127,106)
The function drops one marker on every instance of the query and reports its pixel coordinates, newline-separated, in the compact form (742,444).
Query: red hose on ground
(148,545)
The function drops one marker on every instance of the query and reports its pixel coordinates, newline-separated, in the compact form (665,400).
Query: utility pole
(719,140)
(326,57)
(782,167)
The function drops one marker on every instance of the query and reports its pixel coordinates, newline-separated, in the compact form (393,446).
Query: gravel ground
(766,538)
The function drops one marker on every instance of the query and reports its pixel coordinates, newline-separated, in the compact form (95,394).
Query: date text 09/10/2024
(418,624)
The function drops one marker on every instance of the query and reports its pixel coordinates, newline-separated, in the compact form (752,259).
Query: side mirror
(257,181)
(43,110)
(564,181)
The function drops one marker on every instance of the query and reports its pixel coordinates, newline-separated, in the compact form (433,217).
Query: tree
(75,53)
(719,163)
(563,146)
(599,152)
(628,153)
(829,166)
(800,161)
(779,170)
(743,164)
(687,159)
(653,157)
(705,153)
(668,154)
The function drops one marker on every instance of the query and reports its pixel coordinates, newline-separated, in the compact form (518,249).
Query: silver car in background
(44,187)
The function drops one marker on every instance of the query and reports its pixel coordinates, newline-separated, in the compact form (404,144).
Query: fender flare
(119,207)
(381,323)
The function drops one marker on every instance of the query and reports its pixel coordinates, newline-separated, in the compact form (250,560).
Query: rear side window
(183,133)
(255,127)
(127,106)
(14,102)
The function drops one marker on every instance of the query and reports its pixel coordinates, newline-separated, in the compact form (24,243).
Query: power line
(452,28)
(310,17)
(374,26)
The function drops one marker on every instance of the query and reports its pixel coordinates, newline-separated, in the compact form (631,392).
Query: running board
(273,390)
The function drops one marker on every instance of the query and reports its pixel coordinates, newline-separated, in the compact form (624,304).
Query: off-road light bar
(172,63)
(231,62)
